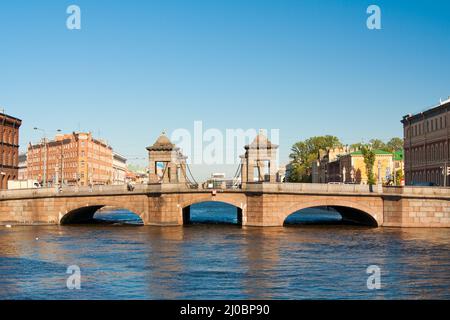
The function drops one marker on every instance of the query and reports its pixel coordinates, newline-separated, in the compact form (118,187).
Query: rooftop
(261,142)
(163,143)
(376,151)
(443,104)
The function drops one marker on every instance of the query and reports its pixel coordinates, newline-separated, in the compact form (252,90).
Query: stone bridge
(258,204)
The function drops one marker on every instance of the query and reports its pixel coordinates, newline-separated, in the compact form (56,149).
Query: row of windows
(34,158)
(9,158)
(429,153)
(10,136)
(51,167)
(427,126)
(436,176)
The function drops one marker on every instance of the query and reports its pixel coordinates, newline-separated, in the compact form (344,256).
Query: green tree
(369,161)
(356,146)
(303,153)
(377,144)
(398,177)
(395,144)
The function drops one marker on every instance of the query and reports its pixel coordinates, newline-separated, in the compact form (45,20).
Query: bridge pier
(261,212)
(164,210)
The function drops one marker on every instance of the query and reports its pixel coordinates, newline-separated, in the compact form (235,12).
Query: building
(22,167)
(426,145)
(353,169)
(119,169)
(220,181)
(326,167)
(343,165)
(71,159)
(9,149)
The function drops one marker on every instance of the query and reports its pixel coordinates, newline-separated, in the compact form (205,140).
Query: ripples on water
(222,261)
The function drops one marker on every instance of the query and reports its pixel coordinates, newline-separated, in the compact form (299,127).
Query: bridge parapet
(314,188)
(417,191)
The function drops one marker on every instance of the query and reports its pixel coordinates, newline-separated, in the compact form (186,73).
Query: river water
(223,261)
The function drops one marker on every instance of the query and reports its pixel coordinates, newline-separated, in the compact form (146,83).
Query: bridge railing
(305,188)
(310,188)
(423,191)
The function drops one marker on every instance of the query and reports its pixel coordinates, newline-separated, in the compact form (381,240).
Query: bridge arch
(76,214)
(351,212)
(239,204)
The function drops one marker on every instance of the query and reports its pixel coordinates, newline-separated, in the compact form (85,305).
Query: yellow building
(353,168)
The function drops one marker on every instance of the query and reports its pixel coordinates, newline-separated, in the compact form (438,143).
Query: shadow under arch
(348,216)
(86,215)
(214,212)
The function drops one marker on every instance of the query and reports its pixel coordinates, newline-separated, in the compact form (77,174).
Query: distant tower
(259,161)
(167,163)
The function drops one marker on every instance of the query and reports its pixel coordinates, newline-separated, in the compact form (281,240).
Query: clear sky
(304,67)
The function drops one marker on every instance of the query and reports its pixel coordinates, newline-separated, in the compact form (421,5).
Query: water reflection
(223,262)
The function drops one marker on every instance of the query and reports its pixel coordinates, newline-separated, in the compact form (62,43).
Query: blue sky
(304,67)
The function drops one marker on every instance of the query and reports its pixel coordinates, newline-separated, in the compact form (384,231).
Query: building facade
(353,168)
(343,165)
(426,144)
(23,174)
(71,159)
(119,169)
(9,149)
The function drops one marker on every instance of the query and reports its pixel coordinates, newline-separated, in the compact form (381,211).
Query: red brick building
(9,149)
(78,158)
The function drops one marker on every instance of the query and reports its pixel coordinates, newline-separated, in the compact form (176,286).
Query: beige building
(119,169)
(324,168)
(23,167)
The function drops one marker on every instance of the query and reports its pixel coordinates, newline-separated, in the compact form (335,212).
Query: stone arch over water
(351,212)
(85,214)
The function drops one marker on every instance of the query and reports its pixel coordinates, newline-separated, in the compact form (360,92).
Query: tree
(369,161)
(395,144)
(377,144)
(398,177)
(303,153)
(356,146)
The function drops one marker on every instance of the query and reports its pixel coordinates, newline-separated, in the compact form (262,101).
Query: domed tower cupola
(166,162)
(259,163)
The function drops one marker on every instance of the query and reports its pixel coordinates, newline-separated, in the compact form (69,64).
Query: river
(219,260)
